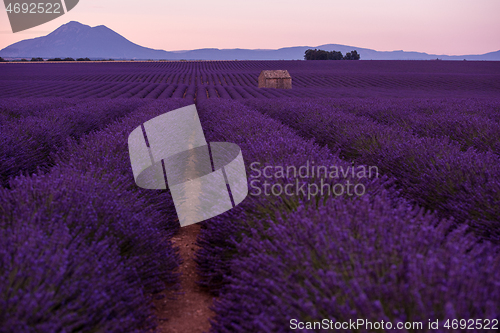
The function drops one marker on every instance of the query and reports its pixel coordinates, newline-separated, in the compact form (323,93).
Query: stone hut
(279,79)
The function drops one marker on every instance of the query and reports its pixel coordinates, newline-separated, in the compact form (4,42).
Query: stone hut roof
(276,74)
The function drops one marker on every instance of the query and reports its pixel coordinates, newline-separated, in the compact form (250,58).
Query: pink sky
(453,27)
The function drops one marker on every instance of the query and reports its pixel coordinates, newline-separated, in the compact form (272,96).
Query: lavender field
(198,80)
(83,249)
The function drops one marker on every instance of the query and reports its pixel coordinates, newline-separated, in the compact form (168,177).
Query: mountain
(78,40)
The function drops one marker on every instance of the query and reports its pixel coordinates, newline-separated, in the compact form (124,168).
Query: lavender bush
(268,142)
(433,172)
(366,258)
(86,254)
(272,260)
(105,153)
(52,281)
(91,196)
(15,108)
(470,122)
(27,143)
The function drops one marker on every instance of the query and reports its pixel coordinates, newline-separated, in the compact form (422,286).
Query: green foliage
(316,54)
(353,55)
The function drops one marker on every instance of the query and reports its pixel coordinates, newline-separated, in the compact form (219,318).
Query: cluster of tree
(78,59)
(61,59)
(3,60)
(353,55)
(52,59)
(330,55)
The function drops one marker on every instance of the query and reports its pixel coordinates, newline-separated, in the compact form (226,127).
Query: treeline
(330,55)
(53,59)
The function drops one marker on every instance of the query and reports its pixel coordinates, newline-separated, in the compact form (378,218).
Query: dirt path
(189,313)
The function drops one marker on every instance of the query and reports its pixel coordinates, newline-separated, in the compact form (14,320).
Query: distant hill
(78,40)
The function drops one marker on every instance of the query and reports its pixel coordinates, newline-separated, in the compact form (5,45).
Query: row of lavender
(277,257)
(82,248)
(145,90)
(310,79)
(300,79)
(33,71)
(470,122)
(432,170)
(180,76)
(31,130)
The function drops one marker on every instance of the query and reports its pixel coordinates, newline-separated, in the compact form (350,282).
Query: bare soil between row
(190,310)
